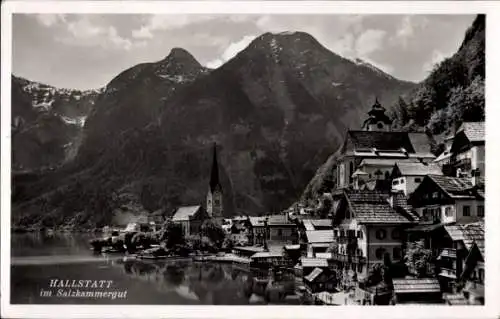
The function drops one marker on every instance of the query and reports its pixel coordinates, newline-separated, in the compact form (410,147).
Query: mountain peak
(181,55)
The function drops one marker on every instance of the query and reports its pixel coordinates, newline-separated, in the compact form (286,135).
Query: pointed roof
(473,130)
(185,213)
(214,174)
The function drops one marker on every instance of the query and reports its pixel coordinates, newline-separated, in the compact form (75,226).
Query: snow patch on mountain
(361,62)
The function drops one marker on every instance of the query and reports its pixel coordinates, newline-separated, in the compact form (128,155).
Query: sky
(84,51)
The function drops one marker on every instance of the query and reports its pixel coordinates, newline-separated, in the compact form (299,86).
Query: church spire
(214,175)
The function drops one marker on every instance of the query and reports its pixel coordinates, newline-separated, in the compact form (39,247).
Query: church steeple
(214,175)
(215,207)
(377,119)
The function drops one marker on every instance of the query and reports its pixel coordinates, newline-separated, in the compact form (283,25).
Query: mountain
(452,93)
(46,123)
(276,110)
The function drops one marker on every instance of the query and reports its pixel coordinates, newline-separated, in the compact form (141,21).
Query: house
(190,218)
(468,151)
(267,259)
(461,242)
(443,159)
(417,290)
(378,143)
(446,199)
(308,264)
(376,169)
(321,279)
(407,176)
(239,233)
(368,230)
(472,280)
(318,241)
(281,230)
(257,230)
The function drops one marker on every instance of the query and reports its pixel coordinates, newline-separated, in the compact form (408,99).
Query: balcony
(464,164)
(448,272)
(448,253)
(356,259)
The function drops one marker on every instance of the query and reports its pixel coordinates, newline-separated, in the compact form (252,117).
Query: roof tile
(184,213)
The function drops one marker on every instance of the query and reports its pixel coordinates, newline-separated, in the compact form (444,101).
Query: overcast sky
(87,50)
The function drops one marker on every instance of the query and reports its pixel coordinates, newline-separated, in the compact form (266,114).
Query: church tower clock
(377,119)
(215,206)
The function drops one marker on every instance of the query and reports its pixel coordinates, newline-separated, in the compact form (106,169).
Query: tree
(418,259)
(172,234)
(213,231)
(228,244)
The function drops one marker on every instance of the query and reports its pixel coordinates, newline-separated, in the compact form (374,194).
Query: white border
(492,9)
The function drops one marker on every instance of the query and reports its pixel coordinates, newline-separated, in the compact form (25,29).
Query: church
(215,203)
(368,155)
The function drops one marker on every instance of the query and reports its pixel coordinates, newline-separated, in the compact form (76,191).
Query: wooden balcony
(448,253)
(448,272)
(356,259)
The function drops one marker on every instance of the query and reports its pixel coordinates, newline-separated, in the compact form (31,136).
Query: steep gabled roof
(418,169)
(321,222)
(473,130)
(319,236)
(184,213)
(371,207)
(380,140)
(468,233)
(313,262)
(455,187)
(278,220)
(314,274)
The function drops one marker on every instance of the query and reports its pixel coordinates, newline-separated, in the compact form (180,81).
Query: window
(379,253)
(396,253)
(466,211)
(447,212)
(387,175)
(353,267)
(395,182)
(280,232)
(480,211)
(402,180)
(380,234)
(418,179)
(435,195)
(360,267)
(359,252)
(342,233)
(335,233)
(396,234)
(380,125)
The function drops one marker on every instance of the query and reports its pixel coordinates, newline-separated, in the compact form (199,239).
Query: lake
(61,269)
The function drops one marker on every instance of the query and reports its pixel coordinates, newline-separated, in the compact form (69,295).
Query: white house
(407,176)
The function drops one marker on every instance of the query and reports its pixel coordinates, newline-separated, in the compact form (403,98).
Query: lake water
(38,260)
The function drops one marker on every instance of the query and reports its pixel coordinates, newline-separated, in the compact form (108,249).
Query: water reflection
(44,244)
(208,283)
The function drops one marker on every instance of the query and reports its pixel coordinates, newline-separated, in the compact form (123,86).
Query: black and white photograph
(223,159)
